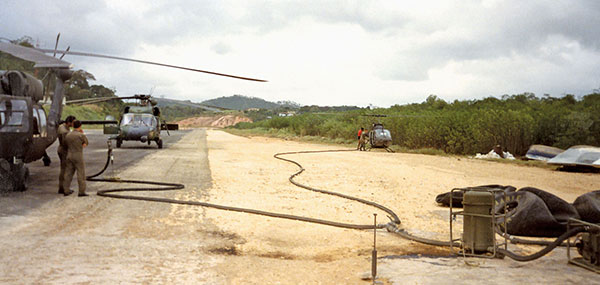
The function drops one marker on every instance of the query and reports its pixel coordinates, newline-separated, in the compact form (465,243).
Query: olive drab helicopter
(26,131)
(140,122)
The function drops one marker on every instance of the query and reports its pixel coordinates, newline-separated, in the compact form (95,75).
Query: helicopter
(26,131)
(379,137)
(141,122)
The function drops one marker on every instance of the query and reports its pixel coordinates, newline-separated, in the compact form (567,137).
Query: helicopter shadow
(153,146)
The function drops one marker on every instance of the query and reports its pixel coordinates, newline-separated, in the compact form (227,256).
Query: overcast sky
(326,52)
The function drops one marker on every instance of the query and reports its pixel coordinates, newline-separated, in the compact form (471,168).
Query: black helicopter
(25,129)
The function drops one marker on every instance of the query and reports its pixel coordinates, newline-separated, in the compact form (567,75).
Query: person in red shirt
(359,133)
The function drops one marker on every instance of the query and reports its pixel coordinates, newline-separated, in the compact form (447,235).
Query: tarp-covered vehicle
(581,155)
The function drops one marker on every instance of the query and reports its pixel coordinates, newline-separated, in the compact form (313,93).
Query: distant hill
(164,102)
(239,102)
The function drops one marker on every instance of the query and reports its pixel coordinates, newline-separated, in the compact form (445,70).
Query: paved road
(43,181)
(49,238)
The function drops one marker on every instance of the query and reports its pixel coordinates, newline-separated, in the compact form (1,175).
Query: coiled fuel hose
(392,226)
(163,186)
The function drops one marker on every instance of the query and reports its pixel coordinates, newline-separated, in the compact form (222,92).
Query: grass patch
(427,151)
(283,134)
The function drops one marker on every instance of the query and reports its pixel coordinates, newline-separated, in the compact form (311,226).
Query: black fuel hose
(175,186)
(404,234)
(517,240)
(392,226)
(545,250)
(391,215)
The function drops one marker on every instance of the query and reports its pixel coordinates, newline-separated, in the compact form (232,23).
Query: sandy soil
(218,121)
(101,240)
(245,174)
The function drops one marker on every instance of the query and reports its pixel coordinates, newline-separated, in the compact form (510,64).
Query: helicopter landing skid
(386,148)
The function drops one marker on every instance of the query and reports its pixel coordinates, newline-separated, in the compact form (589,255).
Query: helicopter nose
(138,133)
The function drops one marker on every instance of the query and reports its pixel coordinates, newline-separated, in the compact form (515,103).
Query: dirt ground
(216,121)
(102,240)
(245,174)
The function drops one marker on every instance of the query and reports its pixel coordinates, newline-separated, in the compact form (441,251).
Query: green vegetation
(176,113)
(239,102)
(286,135)
(84,113)
(462,127)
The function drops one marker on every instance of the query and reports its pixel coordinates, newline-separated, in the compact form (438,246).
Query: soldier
(62,131)
(359,133)
(75,141)
(363,140)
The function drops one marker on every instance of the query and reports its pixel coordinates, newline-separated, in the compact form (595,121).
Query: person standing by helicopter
(359,133)
(363,140)
(75,141)
(62,131)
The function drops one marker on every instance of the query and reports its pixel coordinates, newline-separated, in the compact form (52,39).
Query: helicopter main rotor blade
(56,44)
(67,50)
(40,59)
(149,62)
(97,100)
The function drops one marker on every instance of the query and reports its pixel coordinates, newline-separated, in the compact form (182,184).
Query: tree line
(463,126)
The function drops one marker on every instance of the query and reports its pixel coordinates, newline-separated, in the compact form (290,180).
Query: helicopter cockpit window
(127,118)
(36,125)
(13,115)
(148,120)
(382,133)
(42,122)
(138,119)
(387,133)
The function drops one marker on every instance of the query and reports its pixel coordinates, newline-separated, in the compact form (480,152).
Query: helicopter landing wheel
(119,143)
(13,177)
(159,142)
(21,184)
(46,160)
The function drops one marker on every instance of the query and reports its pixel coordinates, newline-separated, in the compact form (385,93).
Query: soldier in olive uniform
(75,141)
(363,140)
(62,131)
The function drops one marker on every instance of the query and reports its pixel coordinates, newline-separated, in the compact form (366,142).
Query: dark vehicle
(25,128)
(139,123)
(26,131)
(379,137)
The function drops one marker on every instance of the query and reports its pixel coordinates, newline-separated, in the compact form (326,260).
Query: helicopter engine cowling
(18,83)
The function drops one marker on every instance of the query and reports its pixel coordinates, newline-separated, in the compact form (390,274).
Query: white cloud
(328,53)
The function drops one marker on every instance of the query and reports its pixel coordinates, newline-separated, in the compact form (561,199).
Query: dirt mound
(219,121)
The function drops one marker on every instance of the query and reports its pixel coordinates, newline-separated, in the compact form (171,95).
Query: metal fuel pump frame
(493,224)
(580,261)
